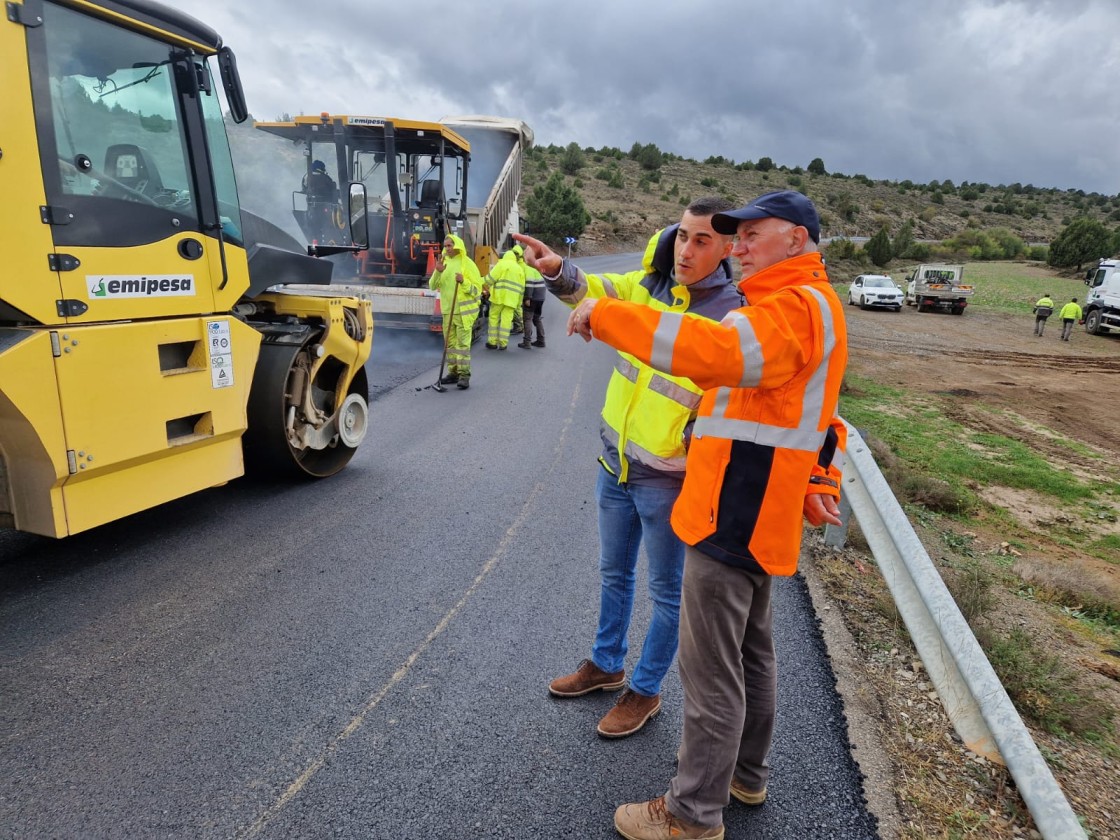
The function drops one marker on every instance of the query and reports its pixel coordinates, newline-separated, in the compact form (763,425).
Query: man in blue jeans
(646,425)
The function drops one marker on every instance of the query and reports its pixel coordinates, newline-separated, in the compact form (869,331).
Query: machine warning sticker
(105,286)
(221,353)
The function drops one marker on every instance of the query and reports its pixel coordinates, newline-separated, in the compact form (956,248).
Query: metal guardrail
(972,694)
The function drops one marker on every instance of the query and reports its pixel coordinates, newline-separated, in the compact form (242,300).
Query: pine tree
(650,157)
(878,248)
(555,210)
(904,241)
(1082,240)
(572,160)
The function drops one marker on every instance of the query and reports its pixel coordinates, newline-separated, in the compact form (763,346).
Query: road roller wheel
(275,412)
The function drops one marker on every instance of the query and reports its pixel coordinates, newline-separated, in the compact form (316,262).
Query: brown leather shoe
(629,714)
(746,796)
(587,677)
(653,821)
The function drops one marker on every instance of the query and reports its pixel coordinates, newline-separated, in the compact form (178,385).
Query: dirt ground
(994,358)
(988,372)
(994,375)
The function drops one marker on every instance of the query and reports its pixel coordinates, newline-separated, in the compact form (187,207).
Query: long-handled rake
(438,386)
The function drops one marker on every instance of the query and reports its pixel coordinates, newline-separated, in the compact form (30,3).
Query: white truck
(938,286)
(1102,303)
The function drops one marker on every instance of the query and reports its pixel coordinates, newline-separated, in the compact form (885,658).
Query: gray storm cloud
(975,90)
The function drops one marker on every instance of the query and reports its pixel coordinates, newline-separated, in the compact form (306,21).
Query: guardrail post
(836,535)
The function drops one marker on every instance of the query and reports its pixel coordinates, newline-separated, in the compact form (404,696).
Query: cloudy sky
(999,91)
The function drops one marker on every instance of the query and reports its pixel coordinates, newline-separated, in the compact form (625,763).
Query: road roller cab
(147,343)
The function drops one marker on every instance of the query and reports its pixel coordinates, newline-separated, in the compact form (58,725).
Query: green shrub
(1043,687)
(572,160)
(555,210)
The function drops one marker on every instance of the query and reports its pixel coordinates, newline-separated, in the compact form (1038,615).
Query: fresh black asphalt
(367,656)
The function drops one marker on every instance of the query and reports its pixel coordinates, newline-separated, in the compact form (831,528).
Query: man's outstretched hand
(539,255)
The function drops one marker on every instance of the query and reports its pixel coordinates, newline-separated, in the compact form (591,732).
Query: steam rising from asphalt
(268,170)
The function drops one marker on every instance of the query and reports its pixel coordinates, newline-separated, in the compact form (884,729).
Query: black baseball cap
(785,204)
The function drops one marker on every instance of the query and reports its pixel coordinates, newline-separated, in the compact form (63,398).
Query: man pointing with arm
(767,449)
(646,424)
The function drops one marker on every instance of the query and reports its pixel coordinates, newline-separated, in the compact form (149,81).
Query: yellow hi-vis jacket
(1070,312)
(767,433)
(648,415)
(506,281)
(466,298)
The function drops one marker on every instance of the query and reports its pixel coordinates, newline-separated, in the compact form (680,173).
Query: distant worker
(318,185)
(505,285)
(1070,315)
(459,284)
(518,317)
(532,308)
(324,218)
(1043,309)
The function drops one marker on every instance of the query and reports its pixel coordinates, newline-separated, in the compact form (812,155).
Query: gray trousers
(1067,328)
(729,675)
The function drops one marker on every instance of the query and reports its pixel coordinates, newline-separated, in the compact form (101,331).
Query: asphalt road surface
(367,656)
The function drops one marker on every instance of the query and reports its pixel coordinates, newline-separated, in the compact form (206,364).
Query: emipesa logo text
(103,287)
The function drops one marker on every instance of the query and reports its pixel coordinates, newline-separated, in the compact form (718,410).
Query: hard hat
(318,166)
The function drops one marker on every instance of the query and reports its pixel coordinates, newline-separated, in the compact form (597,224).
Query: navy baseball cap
(786,204)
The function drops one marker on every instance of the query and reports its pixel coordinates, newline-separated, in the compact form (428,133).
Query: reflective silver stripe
(677,393)
(508,286)
(643,456)
(805,436)
(812,404)
(581,292)
(608,287)
(664,337)
(626,368)
(570,277)
(748,346)
(777,436)
(660,385)
(609,433)
(466,308)
(720,403)
(647,458)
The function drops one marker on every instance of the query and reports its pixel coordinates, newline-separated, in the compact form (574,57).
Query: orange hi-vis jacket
(767,432)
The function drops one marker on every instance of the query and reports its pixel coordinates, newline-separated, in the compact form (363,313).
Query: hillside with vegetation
(629,194)
(612,200)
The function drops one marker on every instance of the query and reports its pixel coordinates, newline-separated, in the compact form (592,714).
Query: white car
(875,291)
